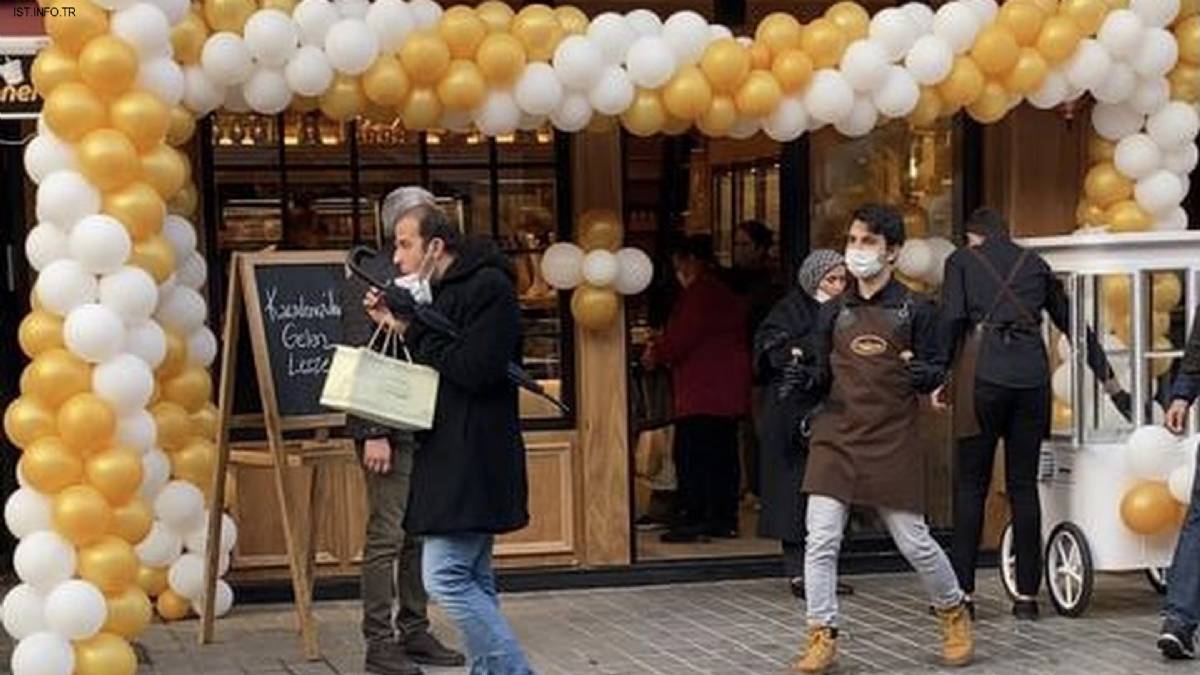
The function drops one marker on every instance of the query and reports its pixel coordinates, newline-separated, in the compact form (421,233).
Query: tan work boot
(821,653)
(958,635)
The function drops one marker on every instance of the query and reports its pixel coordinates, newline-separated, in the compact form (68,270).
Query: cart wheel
(1069,572)
(1157,576)
(1008,563)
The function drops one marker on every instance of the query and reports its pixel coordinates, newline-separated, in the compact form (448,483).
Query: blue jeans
(458,576)
(1183,580)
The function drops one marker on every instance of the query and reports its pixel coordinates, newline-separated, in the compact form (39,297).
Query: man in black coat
(469,482)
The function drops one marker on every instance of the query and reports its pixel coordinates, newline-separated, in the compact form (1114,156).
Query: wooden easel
(319,452)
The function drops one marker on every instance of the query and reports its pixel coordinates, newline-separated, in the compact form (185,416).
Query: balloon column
(1164,468)
(923,261)
(597,270)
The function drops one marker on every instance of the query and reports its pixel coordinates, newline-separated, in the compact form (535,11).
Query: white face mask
(821,296)
(863,264)
(418,287)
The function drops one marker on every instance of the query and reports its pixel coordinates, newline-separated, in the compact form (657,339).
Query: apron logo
(868,345)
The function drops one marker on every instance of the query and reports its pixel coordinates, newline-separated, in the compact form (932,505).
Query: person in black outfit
(991,335)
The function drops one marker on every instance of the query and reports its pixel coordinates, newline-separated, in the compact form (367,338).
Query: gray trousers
(393,594)
(826,525)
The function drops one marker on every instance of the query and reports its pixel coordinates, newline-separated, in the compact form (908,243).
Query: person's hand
(940,399)
(925,377)
(379,312)
(798,376)
(377,455)
(1177,415)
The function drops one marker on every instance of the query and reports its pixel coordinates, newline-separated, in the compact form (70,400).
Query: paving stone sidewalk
(728,628)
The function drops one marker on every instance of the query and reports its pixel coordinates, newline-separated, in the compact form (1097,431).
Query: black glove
(925,377)
(1124,403)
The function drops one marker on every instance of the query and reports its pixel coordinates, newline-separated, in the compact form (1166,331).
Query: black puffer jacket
(469,470)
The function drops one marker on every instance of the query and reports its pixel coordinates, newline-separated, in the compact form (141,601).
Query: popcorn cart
(1138,292)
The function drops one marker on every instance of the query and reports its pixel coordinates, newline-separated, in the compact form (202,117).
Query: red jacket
(707,348)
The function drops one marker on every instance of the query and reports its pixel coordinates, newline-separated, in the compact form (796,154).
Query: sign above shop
(17,95)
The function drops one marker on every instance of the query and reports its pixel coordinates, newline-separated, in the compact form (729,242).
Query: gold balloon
(1161,366)
(1185,83)
(1100,149)
(173,423)
(185,202)
(228,15)
(71,30)
(1127,216)
(501,58)
(793,69)
(463,87)
(52,67)
(86,423)
(1088,15)
(991,106)
(1063,416)
(1028,75)
(1160,323)
(105,654)
(344,99)
(1024,19)
(139,207)
(1148,508)
(385,83)
(166,170)
(1105,186)
(600,229)
(116,473)
(497,15)
(760,56)
(854,21)
(1188,9)
(759,94)
(110,563)
(303,104)
(142,117)
(1088,213)
(194,463)
(720,118)
(205,421)
(462,30)
(1118,294)
(181,125)
(1187,34)
(191,389)
(780,31)
(55,376)
(929,108)
(1168,291)
(188,37)
(646,115)
(50,466)
(152,580)
(72,110)
(995,50)
(40,331)
(824,42)
(1058,39)
(176,358)
(964,84)
(422,110)
(425,57)
(82,515)
(108,65)
(675,126)
(108,159)
(726,64)
(688,94)
(172,607)
(129,612)
(155,255)
(132,520)
(572,19)
(285,6)
(594,308)
(538,29)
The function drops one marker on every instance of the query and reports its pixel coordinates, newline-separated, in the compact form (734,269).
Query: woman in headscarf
(782,345)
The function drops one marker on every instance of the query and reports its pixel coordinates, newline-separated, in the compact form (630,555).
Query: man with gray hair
(391,568)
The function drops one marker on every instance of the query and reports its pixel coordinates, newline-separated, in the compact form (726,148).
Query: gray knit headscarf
(815,267)
(400,201)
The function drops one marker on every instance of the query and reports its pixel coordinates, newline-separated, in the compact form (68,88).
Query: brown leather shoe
(958,635)
(821,653)
(389,658)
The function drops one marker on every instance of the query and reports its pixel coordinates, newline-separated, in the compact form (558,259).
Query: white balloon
(94,333)
(196,541)
(930,60)
(899,94)
(43,653)
(161,547)
(787,123)
(1159,192)
(650,62)
(130,292)
(861,120)
(745,128)
(1157,54)
(599,268)
(426,13)
(24,612)
(314,18)
(267,92)
(202,347)
(1150,95)
(156,473)
(1115,122)
(147,341)
(1053,92)
(75,609)
(27,511)
(180,506)
(391,21)
(829,97)
(186,576)
(1176,220)
(1156,12)
(64,285)
(193,272)
(44,560)
(1153,452)
(222,602)
(864,65)
(1089,65)
(114,5)
(125,382)
(100,243)
(352,9)
(351,46)
(1182,161)
(47,153)
(1182,481)
(573,114)
(578,62)
(644,22)
(271,37)
(1137,156)
(226,59)
(957,24)
(635,271)
(499,115)
(916,259)
(175,10)
(182,310)
(1121,33)
(562,265)
(200,94)
(137,430)
(64,197)
(1174,126)
(309,72)
(180,234)
(986,10)
(921,15)
(532,122)
(538,90)
(894,31)
(44,244)
(613,35)
(613,92)
(719,32)
(143,27)
(687,34)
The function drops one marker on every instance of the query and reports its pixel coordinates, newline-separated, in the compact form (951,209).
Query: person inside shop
(1181,611)
(468,479)
(782,343)
(875,356)
(705,345)
(993,299)
(391,567)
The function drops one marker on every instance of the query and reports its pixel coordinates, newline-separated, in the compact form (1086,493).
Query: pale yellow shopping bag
(381,387)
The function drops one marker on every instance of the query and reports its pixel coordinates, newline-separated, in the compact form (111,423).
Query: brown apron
(864,447)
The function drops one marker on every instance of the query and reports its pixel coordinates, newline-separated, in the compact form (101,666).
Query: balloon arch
(115,418)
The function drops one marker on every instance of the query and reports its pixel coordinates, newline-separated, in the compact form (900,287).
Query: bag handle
(393,343)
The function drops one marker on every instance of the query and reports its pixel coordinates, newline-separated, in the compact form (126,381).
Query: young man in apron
(992,302)
(876,353)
